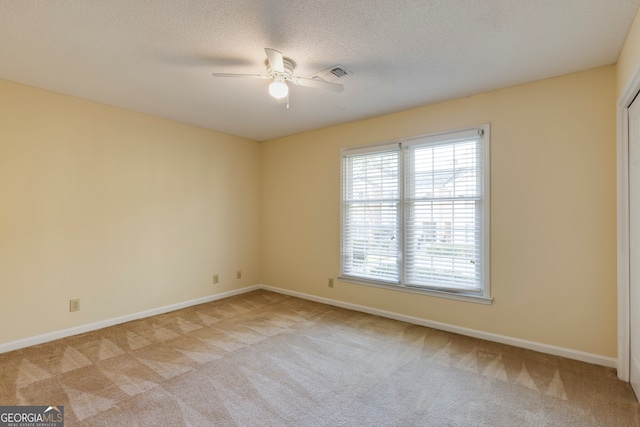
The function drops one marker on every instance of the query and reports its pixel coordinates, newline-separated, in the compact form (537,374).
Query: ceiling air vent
(332,73)
(339,71)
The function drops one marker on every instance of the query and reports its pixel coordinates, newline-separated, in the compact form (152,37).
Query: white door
(634,245)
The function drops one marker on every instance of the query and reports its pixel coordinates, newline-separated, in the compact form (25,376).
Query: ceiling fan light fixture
(278,88)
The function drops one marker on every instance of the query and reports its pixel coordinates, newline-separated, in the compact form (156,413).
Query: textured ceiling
(157,56)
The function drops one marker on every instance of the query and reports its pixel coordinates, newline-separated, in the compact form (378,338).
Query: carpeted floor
(265,359)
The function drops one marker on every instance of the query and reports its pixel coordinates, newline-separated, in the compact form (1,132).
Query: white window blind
(371,214)
(415,213)
(443,213)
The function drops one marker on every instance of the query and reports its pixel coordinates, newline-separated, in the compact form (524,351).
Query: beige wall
(629,56)
(125,211)
(553,218)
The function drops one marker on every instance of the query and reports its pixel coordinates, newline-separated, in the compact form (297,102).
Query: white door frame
(628,94)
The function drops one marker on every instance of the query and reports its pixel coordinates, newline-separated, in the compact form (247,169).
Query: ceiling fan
(280,69)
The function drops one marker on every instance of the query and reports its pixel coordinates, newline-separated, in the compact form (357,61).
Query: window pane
(444,170)
(372,176)
(442,247)
(371,241)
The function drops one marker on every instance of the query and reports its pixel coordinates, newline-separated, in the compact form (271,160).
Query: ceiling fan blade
(251,76)
(275,60)
(318,84)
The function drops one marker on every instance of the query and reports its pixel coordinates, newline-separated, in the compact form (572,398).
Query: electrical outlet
(216,279)
(239,274)
(74,304)
(330,282)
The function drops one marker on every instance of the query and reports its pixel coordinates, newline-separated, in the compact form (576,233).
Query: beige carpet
(265,359)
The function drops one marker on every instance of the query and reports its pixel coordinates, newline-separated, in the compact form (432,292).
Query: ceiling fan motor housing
(288,64)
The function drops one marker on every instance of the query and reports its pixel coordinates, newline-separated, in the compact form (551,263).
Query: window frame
(484,294)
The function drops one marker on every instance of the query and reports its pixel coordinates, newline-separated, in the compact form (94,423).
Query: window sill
(478,299)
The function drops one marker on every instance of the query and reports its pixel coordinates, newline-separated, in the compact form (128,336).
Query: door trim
(622,158)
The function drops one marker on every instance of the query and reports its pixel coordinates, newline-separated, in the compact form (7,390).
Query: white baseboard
(40,339)
(595,359)
(582,356)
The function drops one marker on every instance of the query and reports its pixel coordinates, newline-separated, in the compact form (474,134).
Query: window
(415,214)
